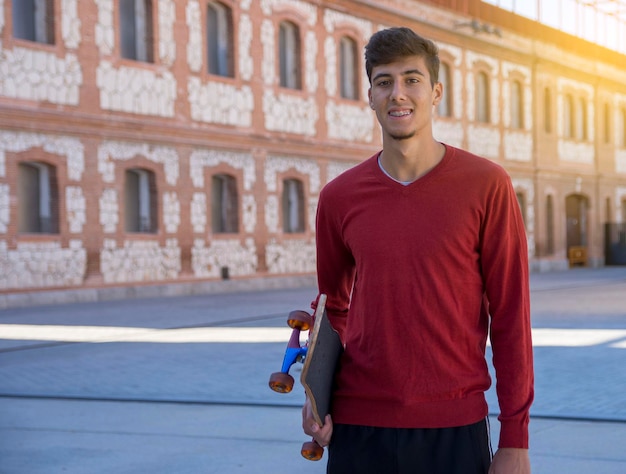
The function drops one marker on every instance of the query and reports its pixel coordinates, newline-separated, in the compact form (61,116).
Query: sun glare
(598,21)
(542,337)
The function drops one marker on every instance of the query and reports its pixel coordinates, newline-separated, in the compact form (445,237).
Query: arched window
(224,204)
(33,20)
(444,109)
(607,123)
(136,30)
(521,200)
(568,116)
(576,214)
(348,69)
(620,128)
(37,198)
(219,40)
(482,97)
(549,225)
(581,119)
(289,55)
(517,105)
(140,201)
(547,110)
(293,206)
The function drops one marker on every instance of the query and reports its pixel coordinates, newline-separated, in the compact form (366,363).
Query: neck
(411,160)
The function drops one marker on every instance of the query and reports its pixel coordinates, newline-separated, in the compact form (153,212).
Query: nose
(397,91)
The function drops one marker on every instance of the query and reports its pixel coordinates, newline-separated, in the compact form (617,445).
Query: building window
(547,110)
(482,98)
(444,109)
(37,199)
(289,56)
(517,105)
(220,40)
(549,225)
(620,128)
(581,119)
(140,201)
(607,123)
(224,204)
(348,69)
(33,20)
(136,30)
(293,206)
(568,119)
(521,200)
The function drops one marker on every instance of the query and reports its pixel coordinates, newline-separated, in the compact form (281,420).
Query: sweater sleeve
(335,264)
(504,260)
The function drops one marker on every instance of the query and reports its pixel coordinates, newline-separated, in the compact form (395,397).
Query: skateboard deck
(318,371)
(319,356)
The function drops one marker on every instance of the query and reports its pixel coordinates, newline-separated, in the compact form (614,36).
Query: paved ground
(179,384)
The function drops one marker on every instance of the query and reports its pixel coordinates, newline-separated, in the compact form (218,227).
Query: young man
(422,252)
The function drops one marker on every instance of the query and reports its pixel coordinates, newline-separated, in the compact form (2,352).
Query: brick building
(154,141)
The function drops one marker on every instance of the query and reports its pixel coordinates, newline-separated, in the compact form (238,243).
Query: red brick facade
(82,111)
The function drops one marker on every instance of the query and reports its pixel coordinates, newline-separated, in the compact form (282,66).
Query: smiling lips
(400,113)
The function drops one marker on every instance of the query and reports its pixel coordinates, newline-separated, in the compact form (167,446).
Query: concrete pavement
(179,384)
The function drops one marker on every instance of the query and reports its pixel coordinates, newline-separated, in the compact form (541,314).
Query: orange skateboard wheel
(300,320)
(281,382)
(312,451)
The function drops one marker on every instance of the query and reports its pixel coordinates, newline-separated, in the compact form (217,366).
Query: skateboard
(319,357)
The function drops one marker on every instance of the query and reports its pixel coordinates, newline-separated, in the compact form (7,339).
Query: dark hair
(391,44)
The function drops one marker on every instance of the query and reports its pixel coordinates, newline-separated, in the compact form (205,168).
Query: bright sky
(598,21)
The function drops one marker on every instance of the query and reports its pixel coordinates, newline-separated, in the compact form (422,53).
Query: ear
(437,93)
(369,98)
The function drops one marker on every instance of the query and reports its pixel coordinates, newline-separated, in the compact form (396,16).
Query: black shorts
(369,450)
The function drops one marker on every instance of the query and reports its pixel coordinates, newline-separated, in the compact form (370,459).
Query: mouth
(399,113)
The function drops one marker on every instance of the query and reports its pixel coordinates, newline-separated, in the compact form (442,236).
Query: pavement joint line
(577,285)
(260,404)
(171,401)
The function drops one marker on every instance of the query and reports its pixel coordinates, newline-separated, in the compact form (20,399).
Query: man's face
(403,98)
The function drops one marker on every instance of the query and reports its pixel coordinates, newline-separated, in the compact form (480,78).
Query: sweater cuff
(514,434)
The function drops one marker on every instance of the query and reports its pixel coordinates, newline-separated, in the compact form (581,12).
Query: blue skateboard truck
(282,382)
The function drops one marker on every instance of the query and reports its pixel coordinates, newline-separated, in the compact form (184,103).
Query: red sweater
(416,276)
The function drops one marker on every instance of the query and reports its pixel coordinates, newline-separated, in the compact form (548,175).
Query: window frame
(483,97)
(29,24)
(445,106)
(348,66)
(517,104)
(224,204)
(44,200)
(607,123)
(569,120)
(522,202)
(580,117)
(547,110)
(620,129)
(140,207)
(220,51)
(132,46)
(550,229)
(289,55)
(294,218)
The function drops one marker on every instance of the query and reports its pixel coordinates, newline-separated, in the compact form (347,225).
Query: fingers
(321,434)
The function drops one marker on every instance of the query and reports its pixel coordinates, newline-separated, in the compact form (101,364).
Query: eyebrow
(408,72)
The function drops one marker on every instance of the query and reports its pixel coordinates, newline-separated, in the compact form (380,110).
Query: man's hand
(321,434)
(510,461)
